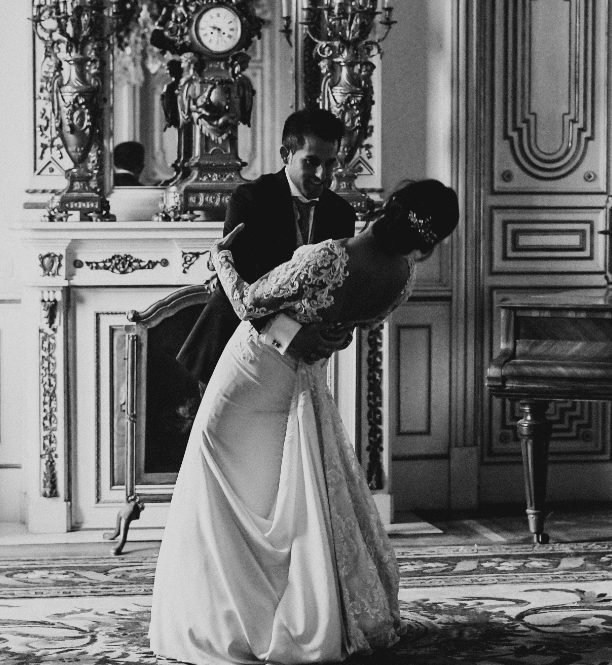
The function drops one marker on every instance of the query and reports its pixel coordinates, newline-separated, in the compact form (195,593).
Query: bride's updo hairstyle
(417,216)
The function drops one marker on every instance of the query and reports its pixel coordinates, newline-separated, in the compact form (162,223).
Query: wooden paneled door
(543,181)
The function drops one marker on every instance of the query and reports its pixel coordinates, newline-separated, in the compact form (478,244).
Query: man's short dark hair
(311,122)
(129,156)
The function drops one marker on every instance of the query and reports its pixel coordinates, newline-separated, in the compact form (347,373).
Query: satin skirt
(273,550)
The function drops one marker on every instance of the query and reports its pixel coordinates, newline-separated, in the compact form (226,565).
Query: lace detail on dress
(368,573)
(301,286)
(247,337)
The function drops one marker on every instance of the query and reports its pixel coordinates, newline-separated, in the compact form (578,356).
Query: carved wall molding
(122,264)
(50,264)
(50,309)
(547,240)
(576,120)
(48,392)
(374,408)
(189,258)
(578,432)
(48,382)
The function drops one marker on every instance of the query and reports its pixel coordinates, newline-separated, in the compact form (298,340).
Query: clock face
(218,29)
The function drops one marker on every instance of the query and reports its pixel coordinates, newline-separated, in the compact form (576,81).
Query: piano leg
(534,433)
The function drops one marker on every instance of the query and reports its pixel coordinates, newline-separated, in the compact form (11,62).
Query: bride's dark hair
(418,215)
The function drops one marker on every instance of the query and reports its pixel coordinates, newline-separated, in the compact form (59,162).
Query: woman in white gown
(273,549)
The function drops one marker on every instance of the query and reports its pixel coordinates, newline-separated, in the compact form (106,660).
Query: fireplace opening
(172,394)
(167,396)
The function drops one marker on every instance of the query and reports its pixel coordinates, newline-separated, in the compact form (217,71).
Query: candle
(306,4)
(386,4)
(286,8)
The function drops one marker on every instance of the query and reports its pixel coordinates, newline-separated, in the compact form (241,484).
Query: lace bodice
(301,287)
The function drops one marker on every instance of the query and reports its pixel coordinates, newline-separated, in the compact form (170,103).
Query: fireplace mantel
(80,281)
(77,248)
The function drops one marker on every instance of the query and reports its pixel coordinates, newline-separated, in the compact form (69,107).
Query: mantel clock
(211,98)
(217,31)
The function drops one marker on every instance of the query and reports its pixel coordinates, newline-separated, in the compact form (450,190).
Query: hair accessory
(423,226)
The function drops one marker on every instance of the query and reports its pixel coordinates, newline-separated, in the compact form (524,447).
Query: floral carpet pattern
(496,605)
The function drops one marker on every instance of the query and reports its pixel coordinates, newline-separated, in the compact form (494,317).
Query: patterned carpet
(494,605)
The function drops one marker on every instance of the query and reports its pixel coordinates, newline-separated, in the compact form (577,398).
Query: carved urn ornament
(208,99)
(341,32)
(75,34)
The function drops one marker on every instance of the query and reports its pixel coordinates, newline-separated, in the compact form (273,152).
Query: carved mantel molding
(122,264)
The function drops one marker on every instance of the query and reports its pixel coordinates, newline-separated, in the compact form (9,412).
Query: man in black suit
(129,161)
(280,211)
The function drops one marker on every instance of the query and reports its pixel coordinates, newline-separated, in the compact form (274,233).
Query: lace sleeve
(301,285)
(402,298)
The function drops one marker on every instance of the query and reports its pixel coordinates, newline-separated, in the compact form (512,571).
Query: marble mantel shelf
(114,253)
(108,230)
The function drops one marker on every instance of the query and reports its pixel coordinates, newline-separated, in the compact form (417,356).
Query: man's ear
(284,153)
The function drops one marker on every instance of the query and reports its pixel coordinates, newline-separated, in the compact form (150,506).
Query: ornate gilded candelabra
(341,31)
(75,34)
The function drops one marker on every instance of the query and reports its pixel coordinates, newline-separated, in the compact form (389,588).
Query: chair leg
(534,433)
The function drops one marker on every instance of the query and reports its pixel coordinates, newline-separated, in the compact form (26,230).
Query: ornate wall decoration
(50,314)
(374,402)
(189,258)
(48,382)
(533,131)
(578,431)
(122,264)
(48,394)
(50,264)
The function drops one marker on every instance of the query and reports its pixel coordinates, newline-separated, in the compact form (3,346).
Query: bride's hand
(224,243)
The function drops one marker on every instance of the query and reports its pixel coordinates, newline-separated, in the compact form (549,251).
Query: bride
(273,549)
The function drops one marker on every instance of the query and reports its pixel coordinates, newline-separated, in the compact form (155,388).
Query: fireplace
(155,401)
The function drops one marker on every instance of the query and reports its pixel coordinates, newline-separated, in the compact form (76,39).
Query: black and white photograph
(306,332)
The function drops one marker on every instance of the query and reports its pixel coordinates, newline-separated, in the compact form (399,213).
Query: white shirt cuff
(280,332)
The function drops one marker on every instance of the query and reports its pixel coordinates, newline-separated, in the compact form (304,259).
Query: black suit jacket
(267,240)
(123,179)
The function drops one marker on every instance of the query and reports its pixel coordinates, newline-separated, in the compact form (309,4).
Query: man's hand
(315,341)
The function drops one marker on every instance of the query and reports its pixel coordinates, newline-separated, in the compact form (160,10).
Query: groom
(280,211)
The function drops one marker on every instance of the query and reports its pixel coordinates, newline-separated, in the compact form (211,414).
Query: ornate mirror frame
(279,90)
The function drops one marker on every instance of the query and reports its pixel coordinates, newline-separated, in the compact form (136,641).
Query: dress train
(273,549)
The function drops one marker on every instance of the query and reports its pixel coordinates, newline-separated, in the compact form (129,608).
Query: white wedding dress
(273,549)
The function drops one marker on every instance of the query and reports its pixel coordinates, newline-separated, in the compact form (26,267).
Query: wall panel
(544,204)
(11,411)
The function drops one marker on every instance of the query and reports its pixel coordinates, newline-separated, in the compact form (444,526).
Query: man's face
(310,168)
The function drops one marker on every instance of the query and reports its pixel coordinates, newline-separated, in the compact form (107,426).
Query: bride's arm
(275,291)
